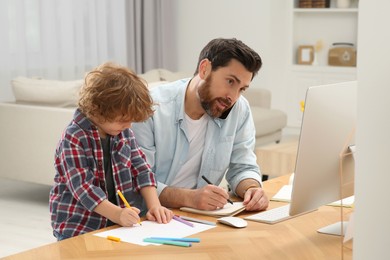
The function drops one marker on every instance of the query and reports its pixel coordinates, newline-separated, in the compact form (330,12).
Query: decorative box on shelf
(342,54)
(314,3)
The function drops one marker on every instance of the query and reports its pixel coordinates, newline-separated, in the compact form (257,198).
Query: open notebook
(227,210)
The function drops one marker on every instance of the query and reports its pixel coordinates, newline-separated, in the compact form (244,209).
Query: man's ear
(204,68)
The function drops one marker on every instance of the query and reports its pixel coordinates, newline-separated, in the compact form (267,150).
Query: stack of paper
(284,194)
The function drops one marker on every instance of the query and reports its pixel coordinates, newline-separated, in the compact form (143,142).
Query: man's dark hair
(221,51)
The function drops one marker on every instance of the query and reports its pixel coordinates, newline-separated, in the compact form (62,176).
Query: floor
(25,218)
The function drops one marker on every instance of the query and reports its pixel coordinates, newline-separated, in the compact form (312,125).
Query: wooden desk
(292,239)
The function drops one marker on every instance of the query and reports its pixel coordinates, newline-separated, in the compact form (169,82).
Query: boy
(98,155)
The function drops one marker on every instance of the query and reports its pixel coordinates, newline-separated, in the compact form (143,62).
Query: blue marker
(167,242)
(184,239)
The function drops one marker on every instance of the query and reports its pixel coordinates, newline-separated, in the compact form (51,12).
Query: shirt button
(100,163)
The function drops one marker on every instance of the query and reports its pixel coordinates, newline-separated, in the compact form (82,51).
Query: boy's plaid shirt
(79,182)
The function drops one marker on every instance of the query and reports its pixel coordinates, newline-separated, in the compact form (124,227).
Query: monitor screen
(327,130)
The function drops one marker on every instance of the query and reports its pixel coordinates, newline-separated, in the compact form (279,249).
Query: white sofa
(29,134)
(30,129)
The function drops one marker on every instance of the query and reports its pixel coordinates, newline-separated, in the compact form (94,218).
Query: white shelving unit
(325,25)
(310,26)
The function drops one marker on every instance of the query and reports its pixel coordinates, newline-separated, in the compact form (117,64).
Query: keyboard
(272,216)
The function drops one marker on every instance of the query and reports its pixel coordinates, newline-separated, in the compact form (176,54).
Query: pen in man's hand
(209,182)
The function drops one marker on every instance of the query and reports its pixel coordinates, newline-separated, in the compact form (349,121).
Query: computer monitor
(327,131)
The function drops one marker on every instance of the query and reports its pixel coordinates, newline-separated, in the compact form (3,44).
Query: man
(203,126)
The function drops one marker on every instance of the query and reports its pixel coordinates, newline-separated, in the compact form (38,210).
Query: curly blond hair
(112,92)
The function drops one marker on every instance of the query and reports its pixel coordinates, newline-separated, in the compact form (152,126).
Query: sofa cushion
(151,76)
(167,75)
(268,120)
(46,92)
(259,97)
(155,75)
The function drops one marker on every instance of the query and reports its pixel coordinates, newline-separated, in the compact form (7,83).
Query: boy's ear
(204,68)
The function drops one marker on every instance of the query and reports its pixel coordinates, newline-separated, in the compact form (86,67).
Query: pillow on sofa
(155,75)
(167,75)
(46,92)
(151,76)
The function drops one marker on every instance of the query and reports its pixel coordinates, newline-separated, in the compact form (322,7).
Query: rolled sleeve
(160,187)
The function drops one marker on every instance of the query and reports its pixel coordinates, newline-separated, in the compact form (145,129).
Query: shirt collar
(83,121)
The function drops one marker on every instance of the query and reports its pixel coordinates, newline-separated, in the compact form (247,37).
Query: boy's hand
(128,217)
(159,214)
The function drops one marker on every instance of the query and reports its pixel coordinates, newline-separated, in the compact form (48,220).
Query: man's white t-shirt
(196,131)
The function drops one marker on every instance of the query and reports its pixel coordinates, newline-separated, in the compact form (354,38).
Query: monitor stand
(334,229)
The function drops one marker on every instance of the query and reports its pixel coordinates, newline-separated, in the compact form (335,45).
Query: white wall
(202,20)
(372,180)
(251,21)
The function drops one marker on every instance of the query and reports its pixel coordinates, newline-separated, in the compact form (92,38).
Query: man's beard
(209,104)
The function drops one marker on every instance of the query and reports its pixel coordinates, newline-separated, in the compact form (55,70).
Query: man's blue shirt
(229,142)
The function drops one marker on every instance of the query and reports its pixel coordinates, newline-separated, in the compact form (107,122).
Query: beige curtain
(151,34)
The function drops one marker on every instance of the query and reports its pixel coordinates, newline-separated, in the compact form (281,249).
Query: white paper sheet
(350,229)
(136,234)
(284,194)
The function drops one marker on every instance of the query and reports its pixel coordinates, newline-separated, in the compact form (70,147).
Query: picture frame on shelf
(305,54)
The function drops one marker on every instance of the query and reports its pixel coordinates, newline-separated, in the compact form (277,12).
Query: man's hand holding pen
(210,197)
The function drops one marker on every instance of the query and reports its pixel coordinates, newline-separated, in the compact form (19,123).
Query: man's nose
(233,96)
